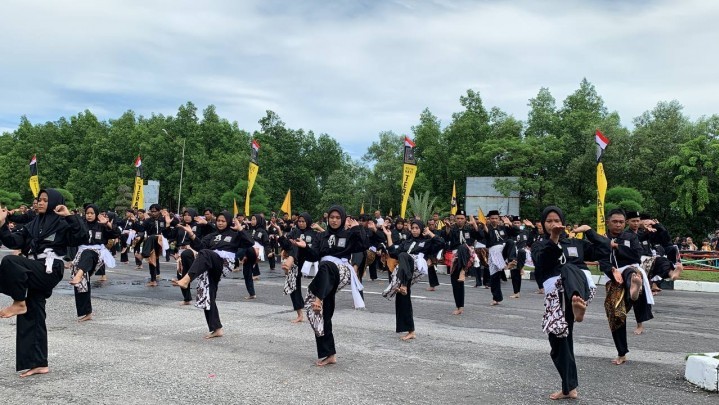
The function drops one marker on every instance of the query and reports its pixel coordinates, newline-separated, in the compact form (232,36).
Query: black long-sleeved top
(524,238)
(99,234)
(376,238)
(183,239)
(259,234)
(70,233)
(415,246)
(499,234)
(227,240)
(576,251)
(299,255)
(157,226)
(19,218)
(455,237)
(340,244)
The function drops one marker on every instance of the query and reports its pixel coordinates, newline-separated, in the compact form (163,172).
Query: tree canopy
(665,164)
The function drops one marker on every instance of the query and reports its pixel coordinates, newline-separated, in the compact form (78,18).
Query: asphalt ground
(142,347)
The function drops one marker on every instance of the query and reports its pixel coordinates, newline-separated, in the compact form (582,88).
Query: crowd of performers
(336,252)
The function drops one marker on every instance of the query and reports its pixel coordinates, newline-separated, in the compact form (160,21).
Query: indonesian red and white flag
(33,161)
(408,142)
(138,162)
(255,145)
(601,140)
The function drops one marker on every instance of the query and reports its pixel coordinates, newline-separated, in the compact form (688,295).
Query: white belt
(645,282)
(225,255)
(421,264)
(104,254)
(49,255)
(355,284)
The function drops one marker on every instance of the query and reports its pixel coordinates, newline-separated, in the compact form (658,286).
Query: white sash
(355,284)
(105,255)
(310,268)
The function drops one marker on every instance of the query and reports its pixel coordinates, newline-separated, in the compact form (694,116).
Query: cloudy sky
(350,68)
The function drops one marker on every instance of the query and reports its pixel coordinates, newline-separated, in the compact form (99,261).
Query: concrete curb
(703,370)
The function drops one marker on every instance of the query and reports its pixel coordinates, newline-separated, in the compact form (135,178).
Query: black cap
(461,212)
(632,214)
(644,216)
(492,212)
(515,218)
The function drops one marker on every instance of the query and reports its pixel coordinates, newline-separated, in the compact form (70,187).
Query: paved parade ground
(142,347)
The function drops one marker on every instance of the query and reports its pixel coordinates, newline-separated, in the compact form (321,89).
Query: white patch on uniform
(501,233)
(98,235)
(218,238)
(572,251)
(421,244)
(228,238)
(627,243)
(342,242)
(308,239)
(466,235)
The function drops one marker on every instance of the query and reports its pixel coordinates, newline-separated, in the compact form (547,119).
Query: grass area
(689,275)
(693,275)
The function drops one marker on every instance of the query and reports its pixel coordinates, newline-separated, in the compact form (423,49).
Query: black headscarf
(228,219)
(94,208)
(546,213)
(261,223)
(193,213)
(48,223)
(343,217)
(420,224)
(307,218)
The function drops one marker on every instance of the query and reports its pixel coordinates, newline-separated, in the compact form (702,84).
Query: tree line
(665,164)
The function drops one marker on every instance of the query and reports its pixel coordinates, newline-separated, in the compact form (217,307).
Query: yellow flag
(138,195)
(287,204)
(601,190)
(235,209)
(251,177)
(362,209)
(390,212)
(480,216)
(34,182)
(453,209)
(410,171)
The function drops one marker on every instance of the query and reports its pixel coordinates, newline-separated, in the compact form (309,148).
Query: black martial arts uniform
(299,255)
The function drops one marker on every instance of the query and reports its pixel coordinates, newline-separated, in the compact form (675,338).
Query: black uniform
(154,227)
(299,255)
(340,243)
(26,279)
(461,240)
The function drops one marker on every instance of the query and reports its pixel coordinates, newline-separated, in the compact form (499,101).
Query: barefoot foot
(215,334)
(494,303)
(16,308)
(430,289)
(250,297)
(458,311)
(299,319)
(514,295)
(579,307)
(151,284)
(636,288)
(560,395)
(36,370)
(327,360)
(78,277)
(184,302)
(639,330)
(183,283)
(408,336)
(85,318)
(619,360)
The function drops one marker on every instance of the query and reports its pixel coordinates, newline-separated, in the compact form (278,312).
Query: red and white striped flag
(602,142)
(408,142)
(138,162)
(255,145)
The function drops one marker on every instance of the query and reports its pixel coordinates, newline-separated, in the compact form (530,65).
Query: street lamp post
(182,170)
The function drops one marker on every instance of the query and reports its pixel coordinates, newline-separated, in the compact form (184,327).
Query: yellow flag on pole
(453,203)
(480,216)
(409,172)
(235,208)
(602,142)
(362,209)
(287,204)
(138,194)
(34,182)
(252,174)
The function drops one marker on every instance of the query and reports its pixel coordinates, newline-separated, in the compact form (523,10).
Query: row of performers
(560,269)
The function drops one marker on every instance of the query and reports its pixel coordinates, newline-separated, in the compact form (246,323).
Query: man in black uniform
(460,239)
(523,239)
(500,236)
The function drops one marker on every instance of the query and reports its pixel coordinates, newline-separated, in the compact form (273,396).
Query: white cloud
(350,69)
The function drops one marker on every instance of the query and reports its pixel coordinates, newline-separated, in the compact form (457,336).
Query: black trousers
(87,263)
(405,268)
(248,270)
(459,263)
(433,279)
(324,286)
(296,296)
(516,273)
(152,244)
(642,310)
(562,353)
(210,262)
(137,249)
(403,312)
(187,257)
(495,285)
(26,280)
(373,268)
